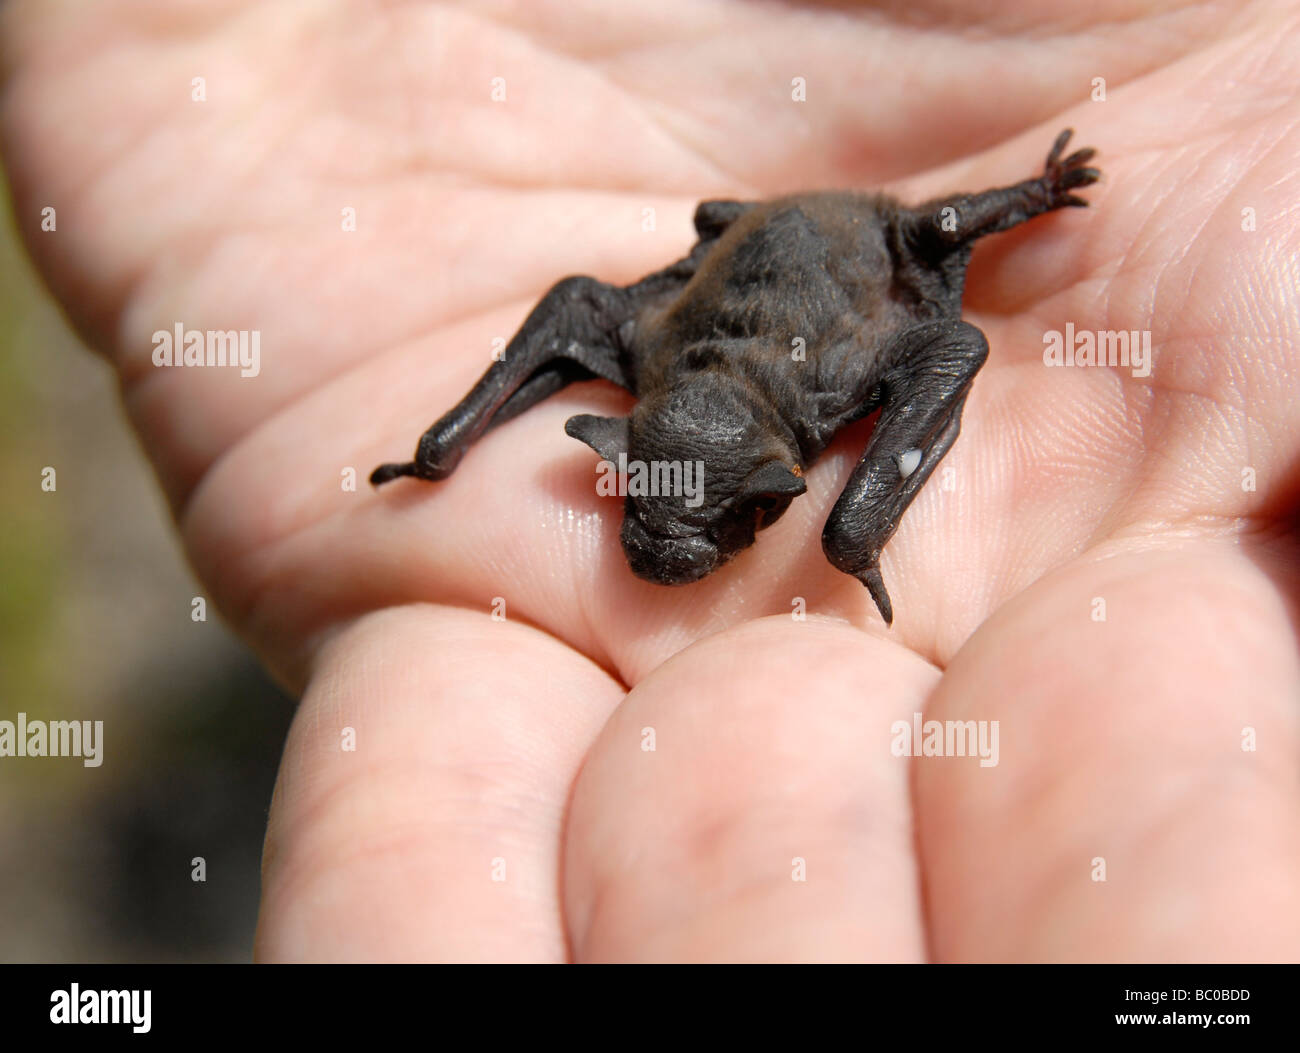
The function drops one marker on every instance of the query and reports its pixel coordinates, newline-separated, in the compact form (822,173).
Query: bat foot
(1062,176)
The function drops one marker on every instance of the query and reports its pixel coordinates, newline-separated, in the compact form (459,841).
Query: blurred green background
(95,625)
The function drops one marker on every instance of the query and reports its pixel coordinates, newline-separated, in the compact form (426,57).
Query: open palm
(556,760)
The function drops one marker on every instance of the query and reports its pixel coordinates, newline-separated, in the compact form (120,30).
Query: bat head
(704,468)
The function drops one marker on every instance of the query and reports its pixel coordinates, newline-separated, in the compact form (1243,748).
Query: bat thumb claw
(875,583)
(388,472)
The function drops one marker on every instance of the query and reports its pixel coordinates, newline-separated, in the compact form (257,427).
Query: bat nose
(667,560)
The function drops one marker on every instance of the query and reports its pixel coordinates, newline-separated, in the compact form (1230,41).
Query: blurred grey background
(95,625)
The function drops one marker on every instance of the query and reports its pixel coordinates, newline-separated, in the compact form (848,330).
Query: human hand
(499,804)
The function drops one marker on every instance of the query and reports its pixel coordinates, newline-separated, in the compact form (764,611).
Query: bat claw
(1058,147)
(875,583)
(1061,176)
(431,464)
(386,473)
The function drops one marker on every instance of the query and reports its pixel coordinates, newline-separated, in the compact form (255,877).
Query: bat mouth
(668,560)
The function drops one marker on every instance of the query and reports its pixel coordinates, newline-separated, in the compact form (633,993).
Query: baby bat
(790,319)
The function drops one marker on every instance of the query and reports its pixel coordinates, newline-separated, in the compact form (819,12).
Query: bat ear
(774,479)
(606,435)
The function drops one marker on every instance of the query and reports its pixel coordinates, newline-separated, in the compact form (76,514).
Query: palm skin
(499,803)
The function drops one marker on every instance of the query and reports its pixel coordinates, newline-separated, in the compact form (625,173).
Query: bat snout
(667,560)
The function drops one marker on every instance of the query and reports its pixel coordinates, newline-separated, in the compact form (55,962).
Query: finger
(769,822)
(1146,805)
(437,837)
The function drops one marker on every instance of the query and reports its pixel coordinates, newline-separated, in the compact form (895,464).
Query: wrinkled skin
(521,741)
